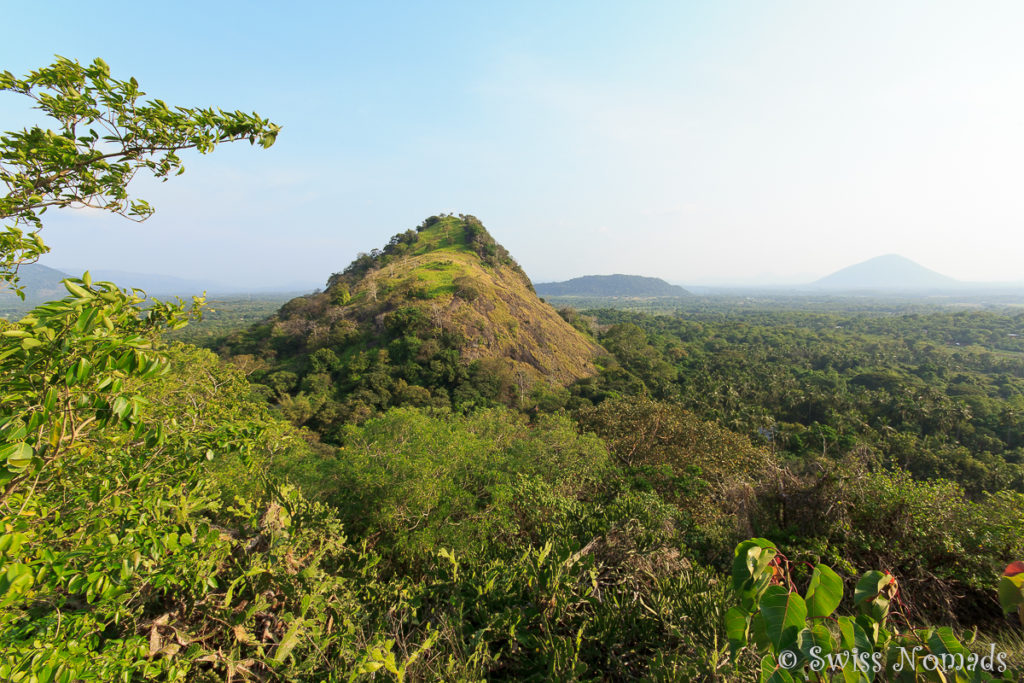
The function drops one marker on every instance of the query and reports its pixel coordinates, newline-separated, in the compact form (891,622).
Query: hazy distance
(709,143)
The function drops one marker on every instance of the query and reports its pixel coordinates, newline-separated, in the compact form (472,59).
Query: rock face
(447,282)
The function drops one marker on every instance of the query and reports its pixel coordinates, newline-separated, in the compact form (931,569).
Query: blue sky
(701,142)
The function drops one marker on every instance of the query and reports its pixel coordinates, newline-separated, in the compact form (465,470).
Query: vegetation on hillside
(441,317)
(438,517)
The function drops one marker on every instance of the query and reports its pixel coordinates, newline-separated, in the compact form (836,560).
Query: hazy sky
(701,142)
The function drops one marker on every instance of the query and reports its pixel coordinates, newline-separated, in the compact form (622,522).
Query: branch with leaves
(104,134)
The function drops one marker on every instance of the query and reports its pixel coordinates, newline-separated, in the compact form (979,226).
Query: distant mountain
(610,285)
(39,283)
(892,272)
(155,284)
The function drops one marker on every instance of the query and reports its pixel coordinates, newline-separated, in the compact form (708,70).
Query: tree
(79,442)
(105,134)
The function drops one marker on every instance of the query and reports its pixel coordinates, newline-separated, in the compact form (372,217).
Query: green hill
(611,285)
(442,315)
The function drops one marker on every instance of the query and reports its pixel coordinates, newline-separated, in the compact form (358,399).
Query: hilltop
(442,315)
(891,271)
(611,285)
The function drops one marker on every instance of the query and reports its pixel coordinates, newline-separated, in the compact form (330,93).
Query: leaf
(824,593)
(817,636)
(76,290)
(736,624)
(771,672)
(759,633)
(785,615)
(1011,592)
(288,641)
(18,456)
(944,641)
(870,587)
(853,636)
(749,558)
(14,582)
(10,544)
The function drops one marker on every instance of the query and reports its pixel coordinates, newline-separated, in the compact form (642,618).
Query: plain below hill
(889,272)
(611,285)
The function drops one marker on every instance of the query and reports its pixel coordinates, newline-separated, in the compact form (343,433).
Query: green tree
(104,135)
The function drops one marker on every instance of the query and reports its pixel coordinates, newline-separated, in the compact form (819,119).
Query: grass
(445,236)
(438,277)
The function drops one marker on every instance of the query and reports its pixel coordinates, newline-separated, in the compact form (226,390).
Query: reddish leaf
(1014,568)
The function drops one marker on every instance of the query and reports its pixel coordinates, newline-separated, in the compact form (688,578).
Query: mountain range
(891,272)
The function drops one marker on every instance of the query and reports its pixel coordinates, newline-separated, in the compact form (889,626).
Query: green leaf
(14,583)
(817,636)
(944,641)
(737,622)
(759,632)
(853,636)
(785,615)
(824,593)
(76,290)
(869,586)
(749,575)
(771,672)
(11,543)
(750,558)
(18,455)
(1011,592)
(288,642)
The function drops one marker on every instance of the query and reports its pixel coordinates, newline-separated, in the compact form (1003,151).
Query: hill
(442,315)
(891,271)
(161,285)
(611,285)
(156,284)
(40,284)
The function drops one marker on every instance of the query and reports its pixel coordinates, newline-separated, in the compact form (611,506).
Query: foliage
(937,394)
(803,638)
(423,322)
(448,515)
(129,557)
(1011,589)
(944,546)
(419,482)
(105,136)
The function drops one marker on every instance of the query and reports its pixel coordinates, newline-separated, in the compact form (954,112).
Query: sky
(703,142)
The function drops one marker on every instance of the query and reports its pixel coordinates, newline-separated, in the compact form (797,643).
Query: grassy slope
(504,320)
